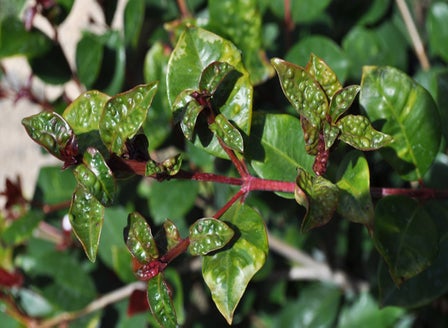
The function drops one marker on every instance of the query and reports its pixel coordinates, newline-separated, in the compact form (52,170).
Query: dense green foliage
(253,163)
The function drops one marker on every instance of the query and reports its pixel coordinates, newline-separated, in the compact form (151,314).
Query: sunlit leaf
(172,234)
(124,114)
(160,302)
(405,235)
(86,218)
(139,239)
(227,273)
(213,75)
(409,115)
(207,235)
(324,75)
(227,133)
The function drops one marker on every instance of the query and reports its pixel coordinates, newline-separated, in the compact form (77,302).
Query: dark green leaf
(437,26)
(355,203)
(89,55)
(160,302)
(357,131)
(342,101)
(302,11)
(410,116)
(241,22)
(52,67)
(54,185)
(83,114)
(21,229)
(52,132)
(208,235)
(229,134)
(227,273)
(275,158)
(96,177)
(319,196)
(324,75)
(213,75)
(134,15)
(124,114)
(86,217)
(139,239)
(405,235)
(196,49)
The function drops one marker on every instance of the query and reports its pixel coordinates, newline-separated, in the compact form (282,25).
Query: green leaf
(52,67)
(229,134)
(324,75)
(355,203)
(124,114)
(410,116)
(83,114)
(405,235)
(53,133)
(160,302)
(342,100)
(16,40)
(170,166)
(158,122)
(190,115)
(96,177)
(227,273)
(323,47)
(89,55)
(139,239)
(54,186)
(436,24)
(241,23)
(213,75)
(313,9)
(21,229)
(331,133)
(134,15)
(208,235)
(196,49)
(86,218)
(319,197)
(357,131)
(172,234)
(269,147)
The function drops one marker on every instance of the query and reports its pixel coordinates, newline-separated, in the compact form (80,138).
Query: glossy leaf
(410,115)
(319,197)
(342,100)
(227,273)
(241,22)
(124,114)
(213,75)
(170,166)
(357,131)
(331,133)
(229,134)
(139,239)
(160,302)
(172,234)
(53,133)
(189,114)
(96,177)
(208,235)
(196,49)
(405,235)
(324,75)
(355,203)
(324,48)
(83,114)
(438,28)
(86,218)
(89,55)
(275,158)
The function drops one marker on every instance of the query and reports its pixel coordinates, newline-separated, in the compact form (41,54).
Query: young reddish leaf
(53,133)
(10,279)
(405,235)
(342,100)
(138,302)
(324,75)
(319,196)
(357,131)
(161,303)
(172,234)
(215,74)
(86,216)
(207,235)
(227,273)
(96,177)
(302,91)
(124,114)
(355,203)
(84,113)
(227,133)
(139,239)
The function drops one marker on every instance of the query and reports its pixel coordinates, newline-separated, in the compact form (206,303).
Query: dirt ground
(19,155)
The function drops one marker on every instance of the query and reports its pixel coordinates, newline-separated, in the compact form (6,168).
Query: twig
(98,304)
(413,33)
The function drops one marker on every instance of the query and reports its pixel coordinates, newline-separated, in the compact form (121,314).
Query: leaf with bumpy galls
(324,75)
(172,234)
(170,166)
(160,302)
(208,235)
(227,133)
(342,100)
(139,239)
(357,131)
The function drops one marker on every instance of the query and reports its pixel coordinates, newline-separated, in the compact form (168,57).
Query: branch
(98,304)
(413,33)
